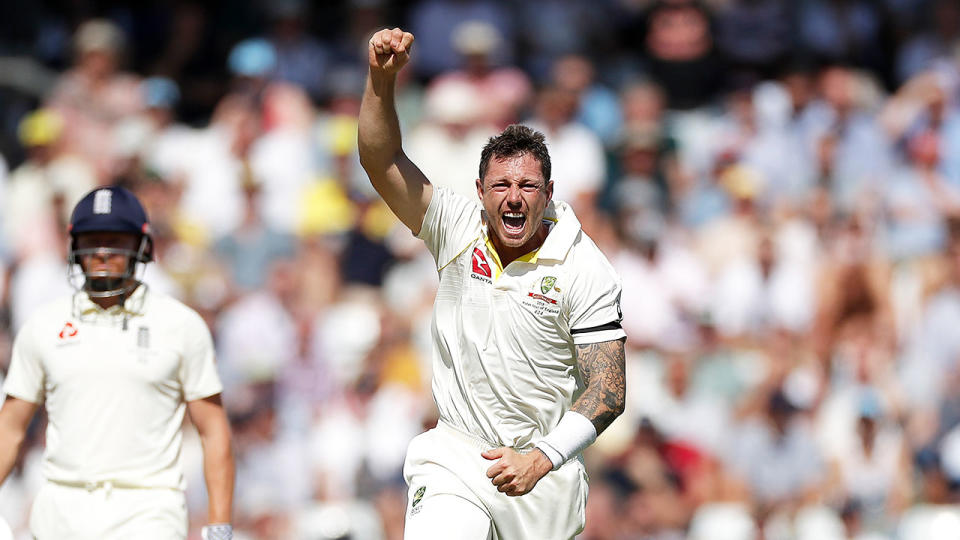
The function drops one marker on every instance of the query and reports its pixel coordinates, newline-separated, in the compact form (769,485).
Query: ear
(479,188)
(549,189)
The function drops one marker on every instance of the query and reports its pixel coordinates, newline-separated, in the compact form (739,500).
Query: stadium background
(777,182)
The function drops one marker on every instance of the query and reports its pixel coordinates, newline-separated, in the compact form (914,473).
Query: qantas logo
(69,331)
(480,265)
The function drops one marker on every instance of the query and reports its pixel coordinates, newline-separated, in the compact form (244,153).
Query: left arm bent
(210,419)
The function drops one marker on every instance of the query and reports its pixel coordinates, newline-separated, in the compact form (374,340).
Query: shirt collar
(559,240)
(132,306)
(563,234)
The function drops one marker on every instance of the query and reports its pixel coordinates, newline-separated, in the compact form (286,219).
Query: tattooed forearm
(602,368)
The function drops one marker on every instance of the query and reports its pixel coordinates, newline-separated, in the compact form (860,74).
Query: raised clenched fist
(389,50)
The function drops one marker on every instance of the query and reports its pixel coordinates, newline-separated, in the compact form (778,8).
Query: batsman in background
(116,366)
(528,351)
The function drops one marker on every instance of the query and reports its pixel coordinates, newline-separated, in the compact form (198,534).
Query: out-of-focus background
(778,183)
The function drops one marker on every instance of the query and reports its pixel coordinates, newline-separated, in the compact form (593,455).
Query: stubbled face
(105,257)
(515,195)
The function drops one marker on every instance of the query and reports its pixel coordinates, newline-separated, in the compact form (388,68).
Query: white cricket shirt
(504,363)
(115,392)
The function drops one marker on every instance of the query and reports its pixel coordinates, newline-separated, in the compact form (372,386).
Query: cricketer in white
(528,362)
(116,366)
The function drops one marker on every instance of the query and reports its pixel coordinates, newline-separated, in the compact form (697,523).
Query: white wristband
(220,531)
(574,433)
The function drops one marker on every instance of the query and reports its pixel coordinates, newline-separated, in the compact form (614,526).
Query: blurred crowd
(777,182)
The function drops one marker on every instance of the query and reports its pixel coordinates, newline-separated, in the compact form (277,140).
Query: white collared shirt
(504,363)
(115,384)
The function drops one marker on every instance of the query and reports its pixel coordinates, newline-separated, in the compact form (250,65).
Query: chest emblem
(481,268)
(547,283)
(68,331)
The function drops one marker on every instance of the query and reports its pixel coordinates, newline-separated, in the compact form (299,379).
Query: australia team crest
(547,283)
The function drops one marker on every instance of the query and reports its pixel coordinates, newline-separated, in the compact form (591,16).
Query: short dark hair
(515,141)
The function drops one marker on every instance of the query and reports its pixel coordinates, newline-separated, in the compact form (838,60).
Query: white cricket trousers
(104,512)
(449,496)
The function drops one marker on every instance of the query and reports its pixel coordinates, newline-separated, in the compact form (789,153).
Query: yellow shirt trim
(527,258)
(498,268)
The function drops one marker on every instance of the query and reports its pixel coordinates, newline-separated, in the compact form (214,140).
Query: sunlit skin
(515,195)
(110,263)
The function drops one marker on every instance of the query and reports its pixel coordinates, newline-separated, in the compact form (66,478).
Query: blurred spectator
(687,416)
(855,155)
(94,95)
(249,250)
(366,257)
(433,22)
(763,294)
(643,170)
(256,335)
(842,30)
(598,107)
(553,29)
(505,90)
(51,179)
(281,153)
(723,521)
(755,35)
(356,437)
(936,516)
(154,193)
(853,316)
(931,350)
(735,236)
(643,105)
(447,144)
(919,200)
(680,52)
(665,276)
(604,506)
(334,137)
(167,140)
(41,274)
(271,478)
(874,467)
(652,473)
(757,130)
(775,455)
(938,41)
(253,63)
(300,58)
(356,519)
(213,169)
(576,153)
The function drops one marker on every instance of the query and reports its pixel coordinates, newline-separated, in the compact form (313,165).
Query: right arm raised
(15,417)
(401,184)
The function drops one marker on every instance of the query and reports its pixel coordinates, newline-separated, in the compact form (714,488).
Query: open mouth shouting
(513,223)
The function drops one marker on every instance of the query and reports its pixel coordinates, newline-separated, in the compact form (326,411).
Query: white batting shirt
(504,363)
(115,384)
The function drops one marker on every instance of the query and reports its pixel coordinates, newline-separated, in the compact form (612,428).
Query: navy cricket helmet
(110,209)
